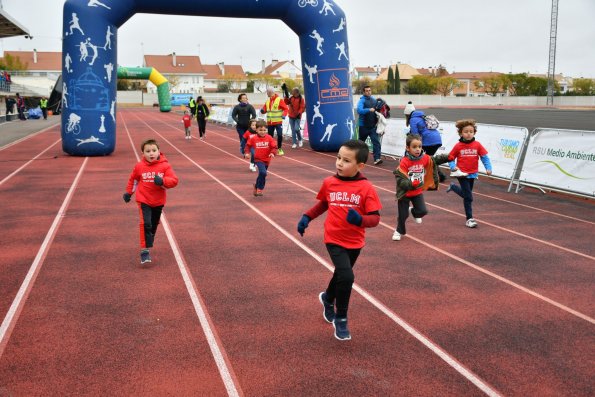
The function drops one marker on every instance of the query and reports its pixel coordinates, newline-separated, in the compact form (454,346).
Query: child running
(245,138)
(187,120)
(265,148)
(150,178)
(464,158)
(353,205)
(415,173)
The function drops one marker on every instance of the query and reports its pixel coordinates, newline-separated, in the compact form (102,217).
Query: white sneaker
(417,220)
(458,174)
(293,146)
(471,223)
(301,143)
(396,236)
(253,167)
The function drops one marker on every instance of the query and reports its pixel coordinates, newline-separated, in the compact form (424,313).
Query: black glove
(303,224)
(354,217)
(158,180)
(126,197)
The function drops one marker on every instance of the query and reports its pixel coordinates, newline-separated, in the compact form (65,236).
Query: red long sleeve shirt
(142,179)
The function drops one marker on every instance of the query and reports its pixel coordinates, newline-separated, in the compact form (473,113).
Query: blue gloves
(354,217)
(126,197)
(158,180)
(303,224)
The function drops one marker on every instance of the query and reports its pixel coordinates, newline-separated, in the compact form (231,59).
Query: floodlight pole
(551,70)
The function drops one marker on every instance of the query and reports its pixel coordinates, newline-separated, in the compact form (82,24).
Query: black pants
(202,126)
(430,151)
(21,113)
(339,288)
(45,113)
(279,128)
(466,192)
(149,219)
(419,210)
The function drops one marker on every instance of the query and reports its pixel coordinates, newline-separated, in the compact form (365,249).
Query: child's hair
(460,124)
(185,112)
(411,138)
(261,123)
(240,96)
(148,142)
(360,148)
(252,121)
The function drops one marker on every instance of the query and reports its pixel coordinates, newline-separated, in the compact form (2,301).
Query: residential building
(468,86)
(185,73)
(43,69)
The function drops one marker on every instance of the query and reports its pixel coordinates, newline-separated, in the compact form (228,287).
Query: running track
(229,305)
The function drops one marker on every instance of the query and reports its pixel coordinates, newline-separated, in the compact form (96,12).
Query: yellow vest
(43,103)
(274,114)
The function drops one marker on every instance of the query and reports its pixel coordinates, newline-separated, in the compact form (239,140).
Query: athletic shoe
(258,192)
(377,162)
(458,174)
(253,167)
(255,191)
(396,236)
(471,223)
(280,152)
(417,220)
(341,330)
(449,188)
(145,257)
(301,143)
(202,139)
(293,146)
(328,312)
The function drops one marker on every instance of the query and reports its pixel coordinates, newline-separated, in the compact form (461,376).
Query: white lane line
(27,137)
(436,349)
(441,251)
(27,163)
(229,379)
(21,296)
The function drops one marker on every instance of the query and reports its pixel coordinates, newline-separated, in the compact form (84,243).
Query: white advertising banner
(503,143)
(561,159)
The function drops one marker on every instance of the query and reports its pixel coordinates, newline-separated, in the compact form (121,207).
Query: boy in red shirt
(150,178)
(466,153)
(265,148)
(187,120)
(415,173)
(353,205)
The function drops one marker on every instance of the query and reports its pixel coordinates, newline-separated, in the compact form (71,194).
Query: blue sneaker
(341,330)
(449,188)
(329,310)
(145,257)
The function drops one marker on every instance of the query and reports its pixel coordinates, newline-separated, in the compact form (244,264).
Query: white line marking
(21,296)
(27,137)
(451,361)
(439,250)
(212,339)
(27,163)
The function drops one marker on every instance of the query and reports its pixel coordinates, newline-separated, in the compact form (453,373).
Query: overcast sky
(464,35)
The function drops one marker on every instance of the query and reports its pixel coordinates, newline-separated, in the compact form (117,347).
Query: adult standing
(202,112)
(366,108)
(21,107)
(242,113)
(43,104)
(297,106)
(276,110)
(431,140)
(192,106)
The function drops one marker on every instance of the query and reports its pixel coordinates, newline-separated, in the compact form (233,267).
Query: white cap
(409,108)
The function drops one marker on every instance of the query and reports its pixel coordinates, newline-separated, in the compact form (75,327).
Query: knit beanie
(409,108)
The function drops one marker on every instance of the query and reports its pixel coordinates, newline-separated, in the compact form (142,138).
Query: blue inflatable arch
(90,64)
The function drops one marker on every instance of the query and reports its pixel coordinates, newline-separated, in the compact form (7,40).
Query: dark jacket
(202,111)
(367,118)
(431,181)
(242,113)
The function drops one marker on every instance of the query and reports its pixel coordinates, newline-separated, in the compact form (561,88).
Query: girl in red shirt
(150,178)
(187,120)
(265,148)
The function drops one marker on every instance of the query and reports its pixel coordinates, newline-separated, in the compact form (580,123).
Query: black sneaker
(341,330)
(328,313)
(145,257)
(378,162)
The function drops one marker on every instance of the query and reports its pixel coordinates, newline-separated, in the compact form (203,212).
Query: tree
(421,85)
(173,80)
(390,81)
(231,81)
(492,84)
(445,85)
(12,63)
(584,87)
(397,87)
(378,87)
(358,85)
(523,85)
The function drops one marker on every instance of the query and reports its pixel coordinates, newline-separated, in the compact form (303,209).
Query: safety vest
(43,103)
(191,104)
(274,114)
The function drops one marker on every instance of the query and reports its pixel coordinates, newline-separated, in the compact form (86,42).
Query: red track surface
(506,308)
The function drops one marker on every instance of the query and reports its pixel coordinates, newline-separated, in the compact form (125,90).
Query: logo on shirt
(344,199)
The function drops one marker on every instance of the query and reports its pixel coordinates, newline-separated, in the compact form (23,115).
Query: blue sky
(464,35)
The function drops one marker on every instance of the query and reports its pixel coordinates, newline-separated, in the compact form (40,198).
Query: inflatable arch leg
(89,60)
(154,77)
